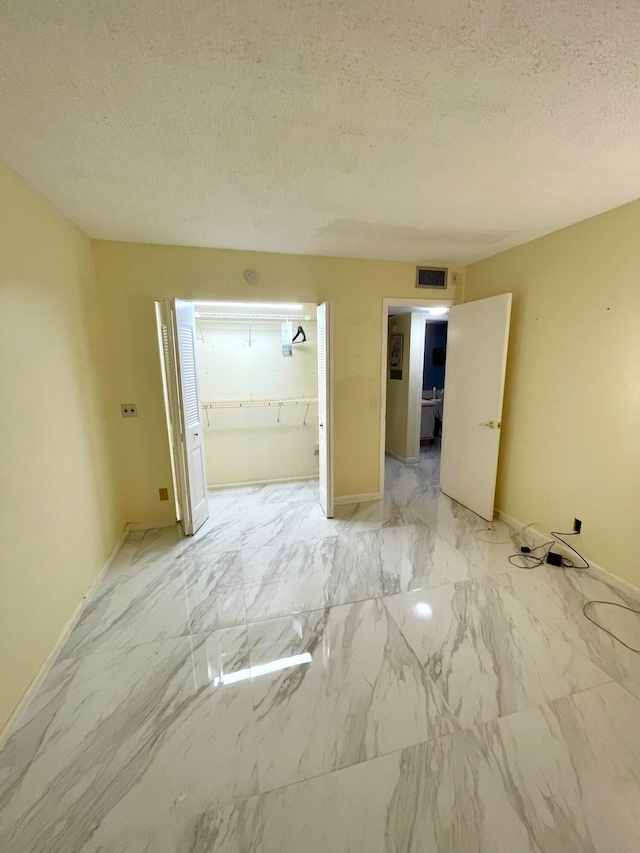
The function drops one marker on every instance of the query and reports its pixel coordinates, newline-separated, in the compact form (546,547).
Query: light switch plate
(129,410)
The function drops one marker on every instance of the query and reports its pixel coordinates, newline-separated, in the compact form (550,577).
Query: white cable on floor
(499,541)
(598,625)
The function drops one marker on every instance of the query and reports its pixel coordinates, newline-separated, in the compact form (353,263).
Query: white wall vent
(431,277)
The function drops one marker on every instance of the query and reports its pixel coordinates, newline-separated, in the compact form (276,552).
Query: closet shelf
(257,401)
(213,315)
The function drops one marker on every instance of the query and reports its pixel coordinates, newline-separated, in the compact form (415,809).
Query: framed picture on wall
(396,345)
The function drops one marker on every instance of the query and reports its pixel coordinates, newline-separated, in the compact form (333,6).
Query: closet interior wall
(241,360)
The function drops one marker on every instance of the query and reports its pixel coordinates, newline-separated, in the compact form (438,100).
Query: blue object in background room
(436,339)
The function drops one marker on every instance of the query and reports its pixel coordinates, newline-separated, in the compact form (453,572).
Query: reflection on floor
(284,683)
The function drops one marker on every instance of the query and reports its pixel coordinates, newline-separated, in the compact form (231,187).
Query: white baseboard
(406,459)
(357,499)
(14,719)
(262,482)
(147,525)
(614,580)
(541,536)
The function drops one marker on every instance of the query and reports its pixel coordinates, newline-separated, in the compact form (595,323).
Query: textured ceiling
(441,130)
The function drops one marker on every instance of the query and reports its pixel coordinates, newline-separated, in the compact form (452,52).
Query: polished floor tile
(156,729)
(572,767)
(486,652)
(27,737)
(558,778)
(557,597)
(189,594)
(275,524)
(289,578)
(335,687)
(380,682)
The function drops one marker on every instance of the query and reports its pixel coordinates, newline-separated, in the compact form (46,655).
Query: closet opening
(248,397)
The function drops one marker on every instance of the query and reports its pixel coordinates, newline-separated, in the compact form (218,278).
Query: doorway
(248,397)
(412,385)
(470,420)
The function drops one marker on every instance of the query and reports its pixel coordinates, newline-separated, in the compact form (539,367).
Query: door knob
(491,424)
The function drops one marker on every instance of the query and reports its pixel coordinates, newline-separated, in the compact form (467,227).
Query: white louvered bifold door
(325,408)
(196,507)
(163,313)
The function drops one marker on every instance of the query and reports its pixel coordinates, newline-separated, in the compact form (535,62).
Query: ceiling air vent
(431,277)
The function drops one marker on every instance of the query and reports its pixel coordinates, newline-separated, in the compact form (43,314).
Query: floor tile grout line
(293,783)
(127,648)
(461,731)
(421,665)
(553,628)
(519,711)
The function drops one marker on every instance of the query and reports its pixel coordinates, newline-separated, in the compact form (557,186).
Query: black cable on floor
(532,561)
(569,564)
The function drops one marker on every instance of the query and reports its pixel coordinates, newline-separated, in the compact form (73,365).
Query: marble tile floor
(284,683)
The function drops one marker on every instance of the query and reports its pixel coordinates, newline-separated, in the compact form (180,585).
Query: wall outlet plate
(129,410)
(164,494)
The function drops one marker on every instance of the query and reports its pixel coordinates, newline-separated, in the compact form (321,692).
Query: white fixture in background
(476,365)
(252,276)
(287,339)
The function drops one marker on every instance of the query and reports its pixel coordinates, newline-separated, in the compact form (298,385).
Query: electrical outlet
(129,410)
(164,494)
(577,525)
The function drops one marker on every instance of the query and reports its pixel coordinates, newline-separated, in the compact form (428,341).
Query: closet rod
(255,401)
(211,315)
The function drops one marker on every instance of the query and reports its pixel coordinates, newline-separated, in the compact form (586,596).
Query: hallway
(287,683)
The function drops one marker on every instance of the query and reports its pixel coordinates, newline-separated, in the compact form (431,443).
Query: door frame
(401,302)
(160,306)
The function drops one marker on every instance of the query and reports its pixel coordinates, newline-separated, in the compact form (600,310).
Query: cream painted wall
(571,437)
(403,395)
(58,501)
(131,276)
(244,445)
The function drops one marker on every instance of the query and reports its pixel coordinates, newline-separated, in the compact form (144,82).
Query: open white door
(325,408)
(477,343)
(192,479)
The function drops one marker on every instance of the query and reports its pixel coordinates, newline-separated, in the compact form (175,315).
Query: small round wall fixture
(252,276)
